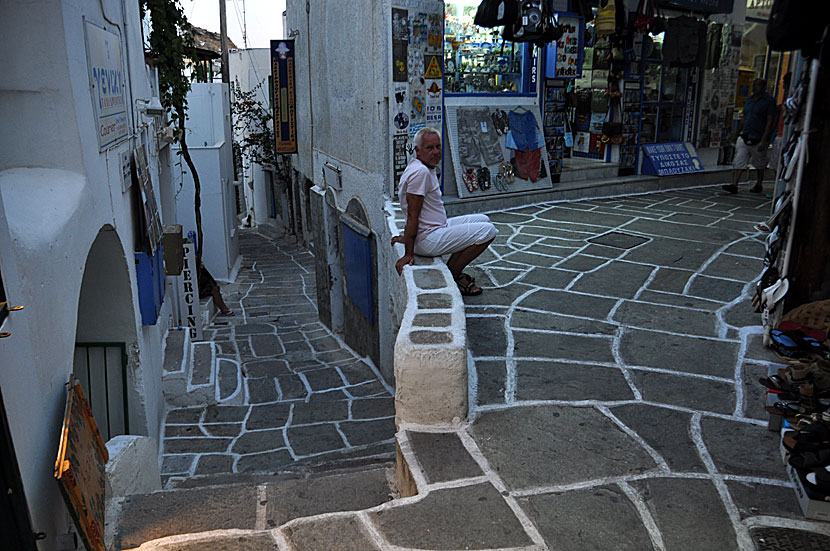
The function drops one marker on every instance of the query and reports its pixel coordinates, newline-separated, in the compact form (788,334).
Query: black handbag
(797,24)
(495,13)
(612,129)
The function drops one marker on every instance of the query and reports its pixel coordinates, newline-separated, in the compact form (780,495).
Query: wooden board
(79,468)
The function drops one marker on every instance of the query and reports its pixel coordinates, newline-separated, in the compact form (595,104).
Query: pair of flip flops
(470,179)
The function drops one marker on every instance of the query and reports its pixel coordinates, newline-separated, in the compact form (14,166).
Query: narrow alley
(283,391)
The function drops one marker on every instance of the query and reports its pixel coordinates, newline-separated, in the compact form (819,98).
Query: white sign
(106,83)
(759,9)
(189,293)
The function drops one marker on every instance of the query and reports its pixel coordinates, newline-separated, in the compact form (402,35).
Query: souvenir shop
(517,117)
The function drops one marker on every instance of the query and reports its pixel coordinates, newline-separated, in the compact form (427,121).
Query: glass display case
(476,59)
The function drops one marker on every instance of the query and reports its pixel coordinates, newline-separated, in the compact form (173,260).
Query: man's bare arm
(414,203)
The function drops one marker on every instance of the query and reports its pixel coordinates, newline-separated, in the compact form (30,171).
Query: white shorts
(749,153)
(459,233)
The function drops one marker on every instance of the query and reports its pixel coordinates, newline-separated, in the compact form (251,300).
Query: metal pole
(223,31)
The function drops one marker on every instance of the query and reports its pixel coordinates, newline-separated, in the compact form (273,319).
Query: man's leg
(459,260)
(759,181)
(739,165)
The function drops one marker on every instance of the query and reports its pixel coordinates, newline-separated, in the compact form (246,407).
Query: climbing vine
(252,121)
(170,51)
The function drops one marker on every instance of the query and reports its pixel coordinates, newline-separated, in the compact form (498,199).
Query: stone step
(176,352)
(229,391)
(250,506)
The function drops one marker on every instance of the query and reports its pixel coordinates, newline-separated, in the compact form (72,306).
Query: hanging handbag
(569,135)
(612,129)
(645,16)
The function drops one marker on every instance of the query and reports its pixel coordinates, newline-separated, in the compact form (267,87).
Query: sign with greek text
(106,83)
(665,159)
(285,101)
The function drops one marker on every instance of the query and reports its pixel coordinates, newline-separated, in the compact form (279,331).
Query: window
(664,98)
(476,59)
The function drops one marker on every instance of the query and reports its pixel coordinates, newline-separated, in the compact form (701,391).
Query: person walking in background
(428,232)
(753,136)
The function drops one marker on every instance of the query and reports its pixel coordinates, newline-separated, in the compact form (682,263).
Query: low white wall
(430,353)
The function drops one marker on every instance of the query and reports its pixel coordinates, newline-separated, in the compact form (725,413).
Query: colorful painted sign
(664,159)
(416,35)
(152,220)
(564,57)
(80,468)
(106,82)
(285,101)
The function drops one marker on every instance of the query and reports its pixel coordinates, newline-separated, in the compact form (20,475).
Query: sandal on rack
(470,179)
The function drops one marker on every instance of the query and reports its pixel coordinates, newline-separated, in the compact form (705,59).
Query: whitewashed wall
(57,192)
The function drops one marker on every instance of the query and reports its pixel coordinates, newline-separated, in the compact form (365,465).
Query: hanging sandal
(467,288)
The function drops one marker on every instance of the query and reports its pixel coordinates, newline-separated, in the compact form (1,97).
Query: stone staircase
(242,512)
(195,375)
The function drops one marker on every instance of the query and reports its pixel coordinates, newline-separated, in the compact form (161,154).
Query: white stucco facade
(209,143)
(251,70)
(67,230)
(342,77)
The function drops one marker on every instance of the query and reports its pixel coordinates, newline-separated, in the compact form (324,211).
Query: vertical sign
(148,198)
(79,468)
(417,76)
(189,293)
(106,83)
(285,105)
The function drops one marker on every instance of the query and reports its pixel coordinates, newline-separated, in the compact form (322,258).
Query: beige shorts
(459,233)
(745,154)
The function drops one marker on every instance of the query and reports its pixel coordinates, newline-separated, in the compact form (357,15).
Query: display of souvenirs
(555,126)
(631,97)
(498,148)
(476,59)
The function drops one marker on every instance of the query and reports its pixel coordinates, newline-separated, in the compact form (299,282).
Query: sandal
(483,175)
(227,314)
(467,288)
(470,179)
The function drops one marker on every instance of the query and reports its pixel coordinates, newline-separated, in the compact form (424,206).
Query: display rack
(555,125)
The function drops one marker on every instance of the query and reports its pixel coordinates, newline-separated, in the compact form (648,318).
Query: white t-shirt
(418,179)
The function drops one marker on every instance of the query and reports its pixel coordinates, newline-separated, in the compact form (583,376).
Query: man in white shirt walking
(428,231)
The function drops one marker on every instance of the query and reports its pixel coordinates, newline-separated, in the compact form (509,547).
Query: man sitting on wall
(428,232)
(760,116)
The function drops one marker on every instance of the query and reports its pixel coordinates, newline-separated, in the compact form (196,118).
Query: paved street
(288,391)
(616,362)
(615,359)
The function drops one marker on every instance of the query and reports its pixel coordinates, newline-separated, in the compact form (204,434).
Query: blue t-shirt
(756,111)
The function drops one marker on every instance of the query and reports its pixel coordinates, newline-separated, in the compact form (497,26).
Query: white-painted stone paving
(614,396)
(287,390)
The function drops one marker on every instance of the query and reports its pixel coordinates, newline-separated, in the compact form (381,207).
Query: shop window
(664,97)
(477,60)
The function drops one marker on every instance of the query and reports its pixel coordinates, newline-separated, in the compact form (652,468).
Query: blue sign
(709,6)
(285,102)
(665,159)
